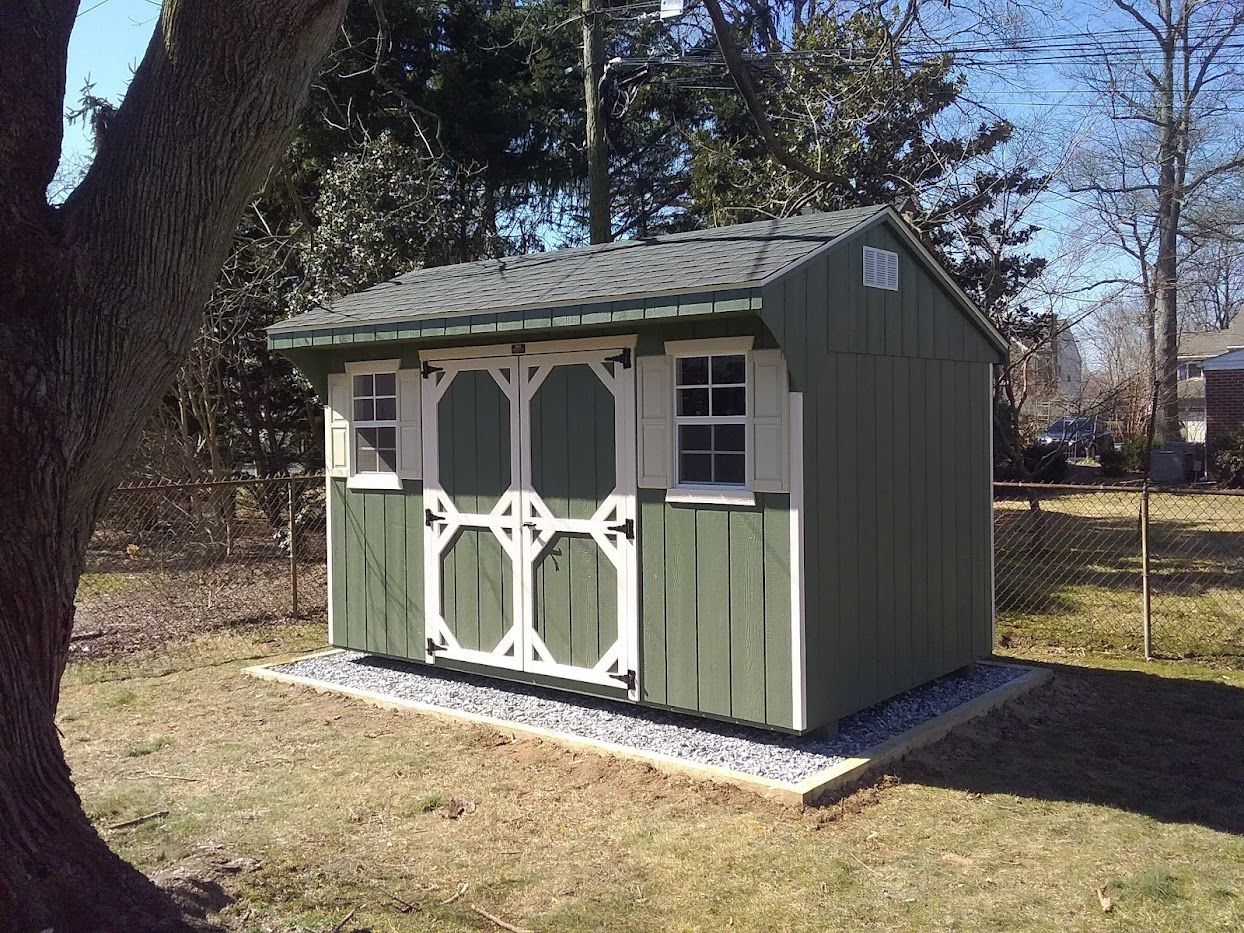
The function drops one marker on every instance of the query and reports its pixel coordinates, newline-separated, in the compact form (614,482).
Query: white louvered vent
(880,268)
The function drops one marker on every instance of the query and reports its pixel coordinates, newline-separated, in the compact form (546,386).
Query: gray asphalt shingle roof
(1203,345)
(697,261)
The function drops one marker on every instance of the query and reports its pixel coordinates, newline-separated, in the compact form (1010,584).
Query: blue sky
(108,42)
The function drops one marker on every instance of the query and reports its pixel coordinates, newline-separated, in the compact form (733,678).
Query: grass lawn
(1122,776)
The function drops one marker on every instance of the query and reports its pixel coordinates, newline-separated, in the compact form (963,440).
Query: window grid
(711,413)
(374,407)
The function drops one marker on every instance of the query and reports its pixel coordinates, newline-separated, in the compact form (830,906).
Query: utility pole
(600,224)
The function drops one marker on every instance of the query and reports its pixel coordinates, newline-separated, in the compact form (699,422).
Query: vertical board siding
(716,610)
(376,573)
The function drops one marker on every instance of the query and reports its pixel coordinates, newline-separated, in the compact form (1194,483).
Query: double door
(529,509)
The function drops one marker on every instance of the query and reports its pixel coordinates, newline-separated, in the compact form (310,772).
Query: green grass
(1118,775)
(148,747)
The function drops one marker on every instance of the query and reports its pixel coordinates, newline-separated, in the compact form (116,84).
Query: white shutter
(655,375)
(337,426)
(770,449)
(409,430)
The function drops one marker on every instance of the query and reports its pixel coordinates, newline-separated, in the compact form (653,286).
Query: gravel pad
(703,741)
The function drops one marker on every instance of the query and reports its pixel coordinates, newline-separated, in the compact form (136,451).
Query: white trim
(370,367)
(708,346)
(709,495)
(389,481)
(798,602)
(619,342)
(328,557)
(993,554)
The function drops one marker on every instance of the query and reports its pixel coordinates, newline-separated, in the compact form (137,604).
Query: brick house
(1224,395)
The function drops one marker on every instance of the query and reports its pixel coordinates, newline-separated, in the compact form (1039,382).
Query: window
(375,422)
(880,268)
(711,416)
(1190,371)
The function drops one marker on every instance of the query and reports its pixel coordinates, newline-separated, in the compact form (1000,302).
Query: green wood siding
(715,598)
(896,474)
(376,569)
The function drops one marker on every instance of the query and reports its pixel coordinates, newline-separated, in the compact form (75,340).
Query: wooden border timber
(799,793)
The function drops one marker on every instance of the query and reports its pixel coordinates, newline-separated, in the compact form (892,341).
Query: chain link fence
(174,560)
(1072,565)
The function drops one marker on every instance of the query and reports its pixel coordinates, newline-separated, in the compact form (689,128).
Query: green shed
(742,472)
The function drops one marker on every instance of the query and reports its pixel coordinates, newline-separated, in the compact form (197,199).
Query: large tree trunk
(99,300)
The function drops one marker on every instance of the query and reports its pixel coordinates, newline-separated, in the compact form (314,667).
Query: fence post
(293,552)
(1146,595)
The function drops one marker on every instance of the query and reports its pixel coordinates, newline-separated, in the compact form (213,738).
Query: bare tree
(100,298)
(1167,143)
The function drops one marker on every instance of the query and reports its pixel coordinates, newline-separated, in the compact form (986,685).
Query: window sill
(708,495)
(390,481)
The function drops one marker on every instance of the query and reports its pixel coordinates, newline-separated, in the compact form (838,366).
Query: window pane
(728,468)
(693,371)
(364,409)
(362,386)
(386,384)
(727,369)
(367,438)
(386,409)
(386,438)
(388,459)
(695,468)
(695,437)
(693,401)
(728,437)
(730,401)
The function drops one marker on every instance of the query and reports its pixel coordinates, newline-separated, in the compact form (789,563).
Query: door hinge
(626,528)
(627,678)
(624,358)
(433,647)
(428,369)
(430,518)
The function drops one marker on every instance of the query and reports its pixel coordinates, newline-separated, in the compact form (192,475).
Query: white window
(375,422)
(880,268)
(712,400)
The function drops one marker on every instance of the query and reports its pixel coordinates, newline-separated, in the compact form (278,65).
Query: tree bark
(100,298)
(600,223)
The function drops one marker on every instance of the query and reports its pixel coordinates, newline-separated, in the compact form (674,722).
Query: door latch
(626,528)
(624,358)
(430,518)
(627,678)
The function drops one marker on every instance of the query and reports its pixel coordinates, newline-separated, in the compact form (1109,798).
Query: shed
(742,472)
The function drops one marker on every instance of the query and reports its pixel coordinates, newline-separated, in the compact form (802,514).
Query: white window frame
(381,479)
(715,493)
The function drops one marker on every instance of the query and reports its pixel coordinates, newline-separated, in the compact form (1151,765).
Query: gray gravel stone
(739,748)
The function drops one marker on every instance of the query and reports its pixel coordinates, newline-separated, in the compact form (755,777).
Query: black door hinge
(428,369)
(433,647)
(624,358)
(430,518)
(626,528)
(627,678)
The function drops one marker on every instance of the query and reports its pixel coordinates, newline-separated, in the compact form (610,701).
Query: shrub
(1046,463)
(1112,463)
(1135,454)
(1228,460)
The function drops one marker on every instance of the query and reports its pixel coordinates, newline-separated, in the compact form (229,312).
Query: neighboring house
(1194,350)
(742,472)
(1051,379)
(1224,395)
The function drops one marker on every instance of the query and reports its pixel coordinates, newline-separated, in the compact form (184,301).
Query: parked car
(1081,437)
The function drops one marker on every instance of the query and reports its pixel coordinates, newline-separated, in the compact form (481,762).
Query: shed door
(530,496)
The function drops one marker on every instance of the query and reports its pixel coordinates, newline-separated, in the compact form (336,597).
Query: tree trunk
(600,223)
(1166,267)
(100,299)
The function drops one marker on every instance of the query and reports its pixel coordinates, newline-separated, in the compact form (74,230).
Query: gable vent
(880,268)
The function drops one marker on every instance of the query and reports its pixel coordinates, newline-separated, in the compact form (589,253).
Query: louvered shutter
(655,375)
(409,425)
(337,426)
(770,445)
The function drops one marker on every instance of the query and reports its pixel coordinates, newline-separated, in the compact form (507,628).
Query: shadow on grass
(1171,749)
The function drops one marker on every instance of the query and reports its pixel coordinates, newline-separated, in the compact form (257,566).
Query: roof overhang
(1232,361)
